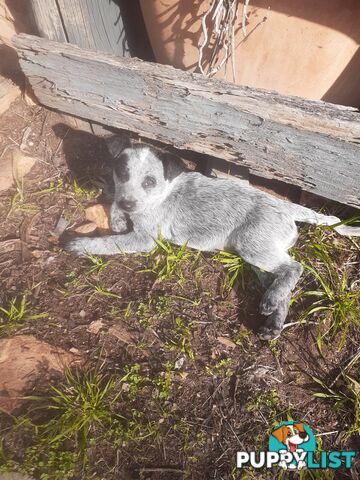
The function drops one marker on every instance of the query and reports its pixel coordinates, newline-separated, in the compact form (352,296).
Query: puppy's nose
(126,204)
(302,435)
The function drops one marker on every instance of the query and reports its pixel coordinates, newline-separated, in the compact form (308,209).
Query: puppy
(154,193)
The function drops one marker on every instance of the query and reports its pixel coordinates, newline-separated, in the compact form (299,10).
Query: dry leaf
(88,227)
(226,342)
(99,215)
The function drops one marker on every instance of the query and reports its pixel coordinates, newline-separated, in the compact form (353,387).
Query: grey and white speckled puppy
(158,195)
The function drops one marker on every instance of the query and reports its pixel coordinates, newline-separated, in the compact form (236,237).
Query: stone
(23,361)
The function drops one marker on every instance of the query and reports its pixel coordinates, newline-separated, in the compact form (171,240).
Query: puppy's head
(291,435)
(142,174)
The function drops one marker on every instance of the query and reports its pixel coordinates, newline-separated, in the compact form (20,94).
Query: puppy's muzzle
(127,205)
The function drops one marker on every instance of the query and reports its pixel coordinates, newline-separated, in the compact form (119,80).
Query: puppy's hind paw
(269,303)
(269,333)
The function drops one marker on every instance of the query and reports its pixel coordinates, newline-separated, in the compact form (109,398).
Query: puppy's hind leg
(274,322)
(262,248)
(286,276)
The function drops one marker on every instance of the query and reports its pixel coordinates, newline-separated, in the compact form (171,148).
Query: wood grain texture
(48,20)
(310,144)
(94,24)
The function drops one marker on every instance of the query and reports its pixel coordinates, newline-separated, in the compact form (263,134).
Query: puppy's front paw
(77,246)
(118,220)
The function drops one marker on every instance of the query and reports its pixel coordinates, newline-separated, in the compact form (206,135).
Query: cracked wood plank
(310,144)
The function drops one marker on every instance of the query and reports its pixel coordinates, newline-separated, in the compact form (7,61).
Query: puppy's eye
(289,434)
(149,182)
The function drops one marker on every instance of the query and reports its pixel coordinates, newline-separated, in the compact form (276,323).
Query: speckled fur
(209,214)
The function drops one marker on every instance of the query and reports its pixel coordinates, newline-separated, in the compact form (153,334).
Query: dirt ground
(173,378)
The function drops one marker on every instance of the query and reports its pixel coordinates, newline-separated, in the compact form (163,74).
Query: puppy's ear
(172,165)
(280,434)
(116,144)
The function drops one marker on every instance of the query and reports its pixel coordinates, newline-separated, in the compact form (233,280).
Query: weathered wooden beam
(48,20)
(310,144)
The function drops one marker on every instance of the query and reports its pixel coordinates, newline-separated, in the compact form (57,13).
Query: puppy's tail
(303,214)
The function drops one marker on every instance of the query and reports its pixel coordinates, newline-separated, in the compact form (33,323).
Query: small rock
(37,253)
(179,363)
(23,360)
(75,351)
(82,314)
(99,215)
(95,327)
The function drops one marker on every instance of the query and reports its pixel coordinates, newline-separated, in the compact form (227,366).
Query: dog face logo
(292,440)
(292,436)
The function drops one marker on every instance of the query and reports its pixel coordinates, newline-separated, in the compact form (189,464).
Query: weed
(83,191)
(19,201)
(101,290)
(222,367)
(167,260)
(274,348)
(242,340)
(164,382)
(81,403)
(345,398)
(14,315)
(77,194)
(72,283)
(57,186)
(306,475)
(132,380)
(144,311)
(335,299)
(234,266)
(97,264)
(182,337)
(267,405)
